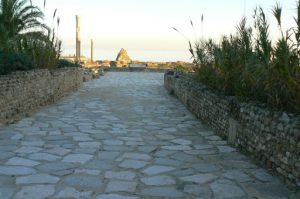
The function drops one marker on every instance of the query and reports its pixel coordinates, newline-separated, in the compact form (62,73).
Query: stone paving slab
(124,137)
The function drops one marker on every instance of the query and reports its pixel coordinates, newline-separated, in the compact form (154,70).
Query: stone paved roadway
(124,137)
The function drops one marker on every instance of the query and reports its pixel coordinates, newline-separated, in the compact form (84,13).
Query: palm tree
(19,20)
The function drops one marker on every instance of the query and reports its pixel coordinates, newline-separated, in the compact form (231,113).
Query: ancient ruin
(122,59)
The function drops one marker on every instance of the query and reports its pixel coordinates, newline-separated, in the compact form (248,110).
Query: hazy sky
(146,25)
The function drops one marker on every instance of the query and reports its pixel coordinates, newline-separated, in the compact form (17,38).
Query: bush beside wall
(269,136)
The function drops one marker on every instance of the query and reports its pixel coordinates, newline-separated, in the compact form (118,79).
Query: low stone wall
(269,136)
(133,69)
(24,92)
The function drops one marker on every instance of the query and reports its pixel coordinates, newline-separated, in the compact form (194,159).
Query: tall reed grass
(249,65)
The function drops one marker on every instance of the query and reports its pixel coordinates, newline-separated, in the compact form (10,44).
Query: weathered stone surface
(223,190)
(6,193)
(43,156)
(182,141)
(133,164)
(135,156)
(158,180)
(177,148)
(114,196)
(154,170)
(124,186)
(162,192)
(28,149)
(59,151)
(237,175)
(35,192)
(83,182)
(37,179)
(16,161)
(200,178)
(16,170)
(226,149)
(262,175)
(55,166)
(198,190)
(70,192)
(90,144)
(77,158)
(121,175)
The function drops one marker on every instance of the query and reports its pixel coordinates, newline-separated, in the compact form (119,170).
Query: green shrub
(62,63)
(10,62)
(249,65)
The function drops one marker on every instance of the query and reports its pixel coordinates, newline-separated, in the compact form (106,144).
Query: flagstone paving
(124,137)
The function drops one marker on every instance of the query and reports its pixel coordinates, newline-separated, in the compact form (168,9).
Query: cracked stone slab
(154,170)
(70,192)
(199,178)
(6,193)
(121,175)
(223,190)
(16,161)
(77,158)
(43,156)
(28,149)
(181,141)
(177,148)
(169,192)
(83,182)
(114,196)
(121,186)
(237,175)
(134,156)
(133,164)
(16,170)
(158,180)
(37,179)
(35,192)
(59,151)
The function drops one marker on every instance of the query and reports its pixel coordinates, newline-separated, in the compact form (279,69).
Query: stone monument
(122,59)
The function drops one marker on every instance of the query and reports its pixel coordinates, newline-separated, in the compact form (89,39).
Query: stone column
(78,40)
(92,50)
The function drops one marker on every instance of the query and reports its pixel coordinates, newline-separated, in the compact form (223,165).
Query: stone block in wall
(232,131)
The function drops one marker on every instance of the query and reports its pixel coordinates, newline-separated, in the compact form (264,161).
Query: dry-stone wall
(269,136)
(24,92)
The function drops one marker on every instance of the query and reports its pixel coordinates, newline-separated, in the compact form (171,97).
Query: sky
(144,27)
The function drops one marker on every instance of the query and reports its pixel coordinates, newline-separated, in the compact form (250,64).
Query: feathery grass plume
(181,33)
(297,29)
(277,11)
(246,64)
(45,4)
(54,14)
(263,43)
(202,21)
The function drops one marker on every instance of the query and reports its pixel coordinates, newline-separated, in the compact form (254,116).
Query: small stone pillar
(78,40)
(92,50)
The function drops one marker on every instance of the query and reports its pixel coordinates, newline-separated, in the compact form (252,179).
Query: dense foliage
(62,63)
(249,65)
(23,37)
